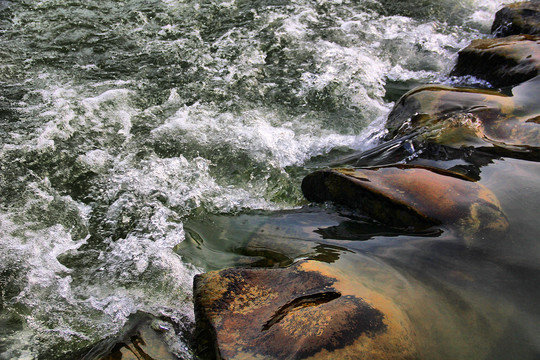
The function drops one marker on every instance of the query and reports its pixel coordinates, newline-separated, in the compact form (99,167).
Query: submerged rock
(144,337)
(519,18)
(309,310)
(410,197)
(470,117)
(502,62)
(144,344)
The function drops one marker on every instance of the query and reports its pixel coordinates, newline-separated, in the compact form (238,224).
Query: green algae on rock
(309,310)
(410,197)
(503,61)
(518,18)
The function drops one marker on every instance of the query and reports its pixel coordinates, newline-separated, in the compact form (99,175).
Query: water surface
(143,142)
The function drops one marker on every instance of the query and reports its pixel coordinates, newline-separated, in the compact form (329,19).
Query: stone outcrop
(470,117)
(410,197)
(503,61)
(518,18)
(309,310)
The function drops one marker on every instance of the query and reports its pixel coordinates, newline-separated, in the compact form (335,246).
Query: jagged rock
(410,196)
(470,117)
(519,18)
(502,62)
(309,310)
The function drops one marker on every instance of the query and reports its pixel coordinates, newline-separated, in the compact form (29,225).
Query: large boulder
(410,196)
(309,310)
(519,18)
(502,62)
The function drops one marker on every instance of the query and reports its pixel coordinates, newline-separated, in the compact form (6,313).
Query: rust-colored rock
(410,196)
(518,18)
(307,311)
(503,62)
(470,117)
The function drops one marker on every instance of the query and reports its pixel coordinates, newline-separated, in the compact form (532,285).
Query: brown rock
(470,117)
(503,62)
(307,311)
(410,196)
(518,18)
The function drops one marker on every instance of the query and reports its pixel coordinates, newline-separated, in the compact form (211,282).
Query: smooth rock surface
(518,18)
(470,117)
(310,310)
(503,62)
(410,197)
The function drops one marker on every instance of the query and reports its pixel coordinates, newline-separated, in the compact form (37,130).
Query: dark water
(143,142)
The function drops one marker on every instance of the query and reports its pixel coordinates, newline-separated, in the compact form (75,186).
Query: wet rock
(464,160)
(410,196)
(426,105)
(144,337)
(470,117)
(309,310)
(519,18)
(503,62)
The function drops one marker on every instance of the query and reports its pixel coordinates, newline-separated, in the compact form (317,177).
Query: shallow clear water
(130,129)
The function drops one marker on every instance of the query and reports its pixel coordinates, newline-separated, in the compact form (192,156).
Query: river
(133,130)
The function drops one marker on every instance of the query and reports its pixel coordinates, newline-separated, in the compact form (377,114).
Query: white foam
(258,134)
(186,185)
(483,14)
(95,160)
(58,308)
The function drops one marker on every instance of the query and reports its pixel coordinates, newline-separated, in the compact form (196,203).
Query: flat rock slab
(410,197)
(307,311)
(470,117)
(503,62)
(519,18)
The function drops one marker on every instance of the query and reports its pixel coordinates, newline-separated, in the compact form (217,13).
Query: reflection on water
(473,299)
(279,238)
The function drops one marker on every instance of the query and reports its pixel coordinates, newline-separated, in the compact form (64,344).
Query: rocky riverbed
(144,142)
(458,161)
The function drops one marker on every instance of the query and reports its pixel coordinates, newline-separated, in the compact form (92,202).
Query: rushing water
(130,127)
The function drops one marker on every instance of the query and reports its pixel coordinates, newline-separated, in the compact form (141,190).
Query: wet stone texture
(518,18)
(410,197)
(470,117)
(144,337)
(309,310)
(503,62)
